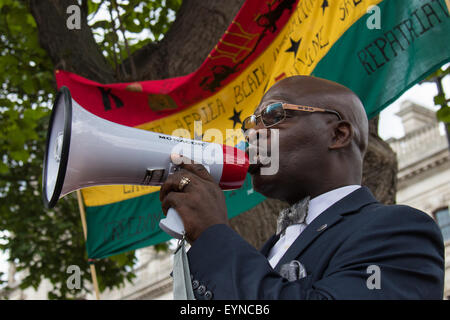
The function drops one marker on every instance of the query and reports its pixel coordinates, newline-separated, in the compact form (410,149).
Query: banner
(376,48)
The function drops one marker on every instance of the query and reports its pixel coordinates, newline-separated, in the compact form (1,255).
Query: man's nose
(251,135)
(255,134)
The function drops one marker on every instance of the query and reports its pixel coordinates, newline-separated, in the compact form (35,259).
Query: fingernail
(176,158)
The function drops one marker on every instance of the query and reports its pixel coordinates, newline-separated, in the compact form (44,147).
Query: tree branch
(127,47)
(71,50)
(197,29)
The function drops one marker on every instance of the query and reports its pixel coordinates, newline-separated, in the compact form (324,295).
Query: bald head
(317,92)
(317,152)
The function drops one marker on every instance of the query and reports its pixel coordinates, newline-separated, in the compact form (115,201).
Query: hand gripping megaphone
(84,150)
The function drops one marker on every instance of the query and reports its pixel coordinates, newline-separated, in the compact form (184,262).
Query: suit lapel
(351,203)
(311,232)
(269,244)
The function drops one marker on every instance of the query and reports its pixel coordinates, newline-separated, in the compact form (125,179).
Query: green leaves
(139,22)
(443,114)
(46,242)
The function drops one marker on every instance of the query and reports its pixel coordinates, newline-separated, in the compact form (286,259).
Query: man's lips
(257,162)
(258,149)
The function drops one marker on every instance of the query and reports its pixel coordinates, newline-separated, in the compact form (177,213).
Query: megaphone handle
(172,224)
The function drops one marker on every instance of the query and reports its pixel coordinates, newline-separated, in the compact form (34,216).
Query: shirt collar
(322,202)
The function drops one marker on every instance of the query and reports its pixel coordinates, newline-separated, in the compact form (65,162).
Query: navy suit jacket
(336,250)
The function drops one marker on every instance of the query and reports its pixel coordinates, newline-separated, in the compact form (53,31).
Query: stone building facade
(424,170)
(152,282)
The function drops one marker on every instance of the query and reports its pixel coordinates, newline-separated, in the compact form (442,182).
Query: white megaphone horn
(84,150)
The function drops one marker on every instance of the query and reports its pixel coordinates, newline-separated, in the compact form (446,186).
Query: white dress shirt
(316,206)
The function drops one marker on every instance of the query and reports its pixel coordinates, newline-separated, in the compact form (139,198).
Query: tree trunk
(198,27)
(71,50)
(380,167)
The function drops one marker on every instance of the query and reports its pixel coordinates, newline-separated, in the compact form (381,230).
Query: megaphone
(83,150)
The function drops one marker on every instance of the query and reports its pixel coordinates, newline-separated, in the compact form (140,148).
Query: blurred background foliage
(43,243)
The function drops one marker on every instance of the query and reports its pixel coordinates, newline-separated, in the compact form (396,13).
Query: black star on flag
(236,118)
(294,46)
(324,5)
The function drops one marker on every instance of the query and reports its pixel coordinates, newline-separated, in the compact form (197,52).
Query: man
(349,246)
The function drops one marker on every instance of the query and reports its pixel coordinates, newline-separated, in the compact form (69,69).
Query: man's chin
(264,184)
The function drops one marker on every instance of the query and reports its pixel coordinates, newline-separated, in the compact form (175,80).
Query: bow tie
(295,214)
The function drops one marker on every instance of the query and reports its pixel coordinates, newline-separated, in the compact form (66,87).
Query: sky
(390,125)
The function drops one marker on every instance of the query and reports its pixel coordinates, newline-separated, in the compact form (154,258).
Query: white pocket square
(293,271)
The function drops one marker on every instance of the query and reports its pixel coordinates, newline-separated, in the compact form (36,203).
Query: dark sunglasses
(275,113)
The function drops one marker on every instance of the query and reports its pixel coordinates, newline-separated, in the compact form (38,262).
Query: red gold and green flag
(377,48)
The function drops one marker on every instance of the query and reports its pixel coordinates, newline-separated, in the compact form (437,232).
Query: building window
(443,220)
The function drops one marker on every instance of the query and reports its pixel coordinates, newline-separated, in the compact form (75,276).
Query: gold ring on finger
(183,183)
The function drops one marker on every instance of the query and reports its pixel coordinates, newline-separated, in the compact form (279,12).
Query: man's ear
(342,135)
